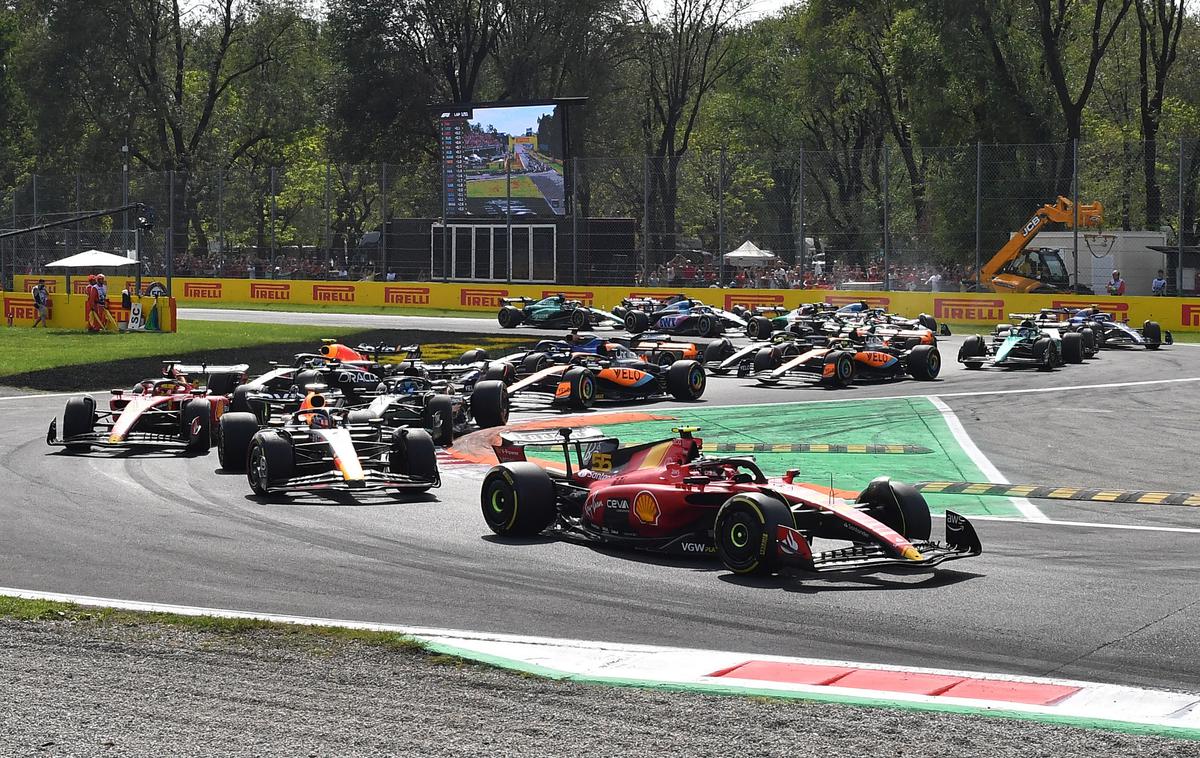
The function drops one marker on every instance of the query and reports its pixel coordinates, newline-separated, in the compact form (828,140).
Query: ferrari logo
(645,507)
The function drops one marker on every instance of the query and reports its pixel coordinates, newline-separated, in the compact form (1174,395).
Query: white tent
(749,254)
(92,259)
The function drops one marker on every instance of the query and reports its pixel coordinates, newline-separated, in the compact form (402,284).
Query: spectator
(1116,285)
(1158,287)
(41,303)
(935,282)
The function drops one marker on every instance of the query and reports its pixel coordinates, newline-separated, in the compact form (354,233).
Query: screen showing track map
(492,153)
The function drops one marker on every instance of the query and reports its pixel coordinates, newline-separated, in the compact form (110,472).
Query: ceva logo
(270,291)
(481,297)
(202,290)
(751,301)
(964,309)
(333,293)
(1190,314)
(583,296)
(406,295)
(872,302)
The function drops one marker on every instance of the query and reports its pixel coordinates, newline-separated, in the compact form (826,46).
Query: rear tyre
(305,379)
(637,322)
(501,371)
(929,322)
(233,441)
(473,356)
(843,368)
(583,388)
(707,326)
(1072,347)
(413,454)
(509,317)
(898,505)
(223,383)
(759,328)
(1152,333)
(197,425)
(438,419)
(973,347)
(746,532)
(489,404)
(270,463)
(534,362)
(578,319)
(925,363)
(79,417)
(686,380)
(240,402)
(518,500)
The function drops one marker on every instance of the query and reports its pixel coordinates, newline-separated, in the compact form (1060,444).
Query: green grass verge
(383,310)
(522,186)
(27,350)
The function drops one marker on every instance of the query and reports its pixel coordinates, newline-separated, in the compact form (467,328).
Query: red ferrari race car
(169,412)
(668,497)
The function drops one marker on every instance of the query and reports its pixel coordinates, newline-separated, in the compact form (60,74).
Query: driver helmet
(320,420)
(1028,324)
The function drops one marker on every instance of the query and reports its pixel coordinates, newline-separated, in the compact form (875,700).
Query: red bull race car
(669,497)
(173,411)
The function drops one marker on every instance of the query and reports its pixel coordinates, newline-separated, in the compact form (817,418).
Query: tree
(686,54)
(1160,23)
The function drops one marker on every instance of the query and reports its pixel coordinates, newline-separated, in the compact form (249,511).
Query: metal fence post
(800,203)
(272,221)
(1179,234)
(171,233)
(646,219)
(721,216)
(37,257)
(574,219)
(978,212)
(327,240)
(221,212)
(383,221)
(1075,206)
(887,210)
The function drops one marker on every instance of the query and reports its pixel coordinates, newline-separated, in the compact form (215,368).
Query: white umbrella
(749,254)
(92,259)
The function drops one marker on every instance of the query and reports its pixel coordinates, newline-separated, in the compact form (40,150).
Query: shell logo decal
(645,507)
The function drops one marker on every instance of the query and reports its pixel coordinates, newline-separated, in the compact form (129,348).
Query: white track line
(1084,524)
(45,394)
(1028,509)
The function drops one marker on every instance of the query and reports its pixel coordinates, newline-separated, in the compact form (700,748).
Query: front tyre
(582,388)
(270,463)
(489,403)
(518,500)
(414,455)
(79,417)
(759,328)
(197,426)
(899,506)
(1152,333)
(925,363)
(438,419)
(233,440)
(745,532)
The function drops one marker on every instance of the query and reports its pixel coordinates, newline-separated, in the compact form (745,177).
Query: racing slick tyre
(79,417)
(236,430)
(637,322)
(1089,341)
(1152,333)
(223,382)
(501,371)
(1072,347)
(269,462)
(509,317)
(307,378)
(686,380)
(843,368)
(898,505)
(619,311)
(759,328)
(746,532)
(579,319)
(1045,353)
(534,362)
(929,322)
(739,311)
(718,350)
(489,404)
(582,383)
(240,402)
(518,500)
(767,359)
(707,326)
(972,347)
(438,419)
(925,363)
(414,455)
(197,428)
(473,356)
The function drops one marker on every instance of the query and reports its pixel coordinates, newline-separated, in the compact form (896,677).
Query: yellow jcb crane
(1015,269)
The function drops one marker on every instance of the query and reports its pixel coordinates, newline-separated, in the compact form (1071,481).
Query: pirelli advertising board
(69,311)
(981,309)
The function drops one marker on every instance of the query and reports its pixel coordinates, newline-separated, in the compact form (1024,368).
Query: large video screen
(491,153)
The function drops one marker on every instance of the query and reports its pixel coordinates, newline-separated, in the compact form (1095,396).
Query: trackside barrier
(1179,314)
(68,311)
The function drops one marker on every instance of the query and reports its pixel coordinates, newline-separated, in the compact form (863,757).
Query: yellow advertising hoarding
(983,309)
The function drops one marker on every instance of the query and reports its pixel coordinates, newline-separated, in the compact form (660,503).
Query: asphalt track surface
(1115,605)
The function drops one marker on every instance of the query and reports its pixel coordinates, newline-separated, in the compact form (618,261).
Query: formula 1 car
(677,315)
(439,407)
(1111,332)
(1023,344)
(168,412)
(668,497)
(553,312)
(613,372)
(842,361)
(321,449)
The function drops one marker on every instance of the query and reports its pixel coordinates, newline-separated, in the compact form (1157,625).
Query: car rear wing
(511,446)
(407,352)
(516,300)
